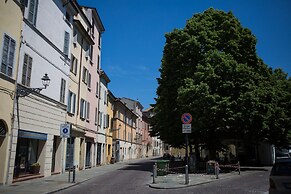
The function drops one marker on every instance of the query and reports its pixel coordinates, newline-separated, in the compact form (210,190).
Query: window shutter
(66,43)
(69,101)
(89,80)
(74,102)
(88,110)
(62,90)
(24,69)
(82,108)
(8,55)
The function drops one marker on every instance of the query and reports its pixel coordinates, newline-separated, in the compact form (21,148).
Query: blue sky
(133,40)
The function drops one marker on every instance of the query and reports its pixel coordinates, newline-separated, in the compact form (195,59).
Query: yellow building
(124,131)
(10,33)
(109,129)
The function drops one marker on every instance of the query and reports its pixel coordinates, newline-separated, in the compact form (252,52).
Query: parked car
(280,177)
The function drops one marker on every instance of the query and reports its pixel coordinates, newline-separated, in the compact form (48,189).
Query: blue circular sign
(186,118)
(65,130)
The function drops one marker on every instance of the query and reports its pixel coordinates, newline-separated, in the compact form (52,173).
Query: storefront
(29,147)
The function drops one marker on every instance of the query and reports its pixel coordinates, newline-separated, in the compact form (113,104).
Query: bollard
(154,173)
(69,180)
(74,174)
(186,175)
(156,169)
(216,170)
(238,168)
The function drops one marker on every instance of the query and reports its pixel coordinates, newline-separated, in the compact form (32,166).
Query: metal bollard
(74,174)
(238,168)
(216,170)
(154,173)
(186,175)
(69,180)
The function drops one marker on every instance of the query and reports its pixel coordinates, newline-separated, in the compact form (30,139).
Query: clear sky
(133,41)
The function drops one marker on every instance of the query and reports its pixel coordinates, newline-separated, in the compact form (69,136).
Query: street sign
(186,128)
(186,118)
(65,130)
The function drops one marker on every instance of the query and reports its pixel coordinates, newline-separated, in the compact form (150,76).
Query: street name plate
(186,128)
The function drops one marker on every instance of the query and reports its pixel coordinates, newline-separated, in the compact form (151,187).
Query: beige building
(10,33)
(79,114)
(124,131)
(109,129)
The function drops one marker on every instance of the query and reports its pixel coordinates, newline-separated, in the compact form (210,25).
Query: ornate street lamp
(23,91)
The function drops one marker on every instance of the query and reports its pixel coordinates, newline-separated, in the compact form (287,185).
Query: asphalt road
(134,179)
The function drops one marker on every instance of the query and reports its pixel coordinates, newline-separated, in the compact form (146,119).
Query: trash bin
(210,167)
(162,167)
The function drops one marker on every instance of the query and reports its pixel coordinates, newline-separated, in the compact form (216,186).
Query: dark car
(280,177)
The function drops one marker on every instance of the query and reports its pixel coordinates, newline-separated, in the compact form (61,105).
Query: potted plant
(34,168)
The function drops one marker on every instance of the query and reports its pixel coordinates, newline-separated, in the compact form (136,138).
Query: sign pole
(186,154)
(186,119)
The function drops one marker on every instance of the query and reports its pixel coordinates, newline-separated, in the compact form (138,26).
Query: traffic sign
(186,118)
(65,130)
(186,128)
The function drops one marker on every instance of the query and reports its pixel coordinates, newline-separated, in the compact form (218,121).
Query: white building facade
(39,114)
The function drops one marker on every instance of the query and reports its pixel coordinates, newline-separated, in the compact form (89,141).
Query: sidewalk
(173,181)
(59,182)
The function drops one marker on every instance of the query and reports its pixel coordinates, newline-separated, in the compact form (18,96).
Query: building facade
(10,33)
(137,108)
(40,110)
(124,131)
(103,119)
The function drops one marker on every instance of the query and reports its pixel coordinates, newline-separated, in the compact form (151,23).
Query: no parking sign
(65,130)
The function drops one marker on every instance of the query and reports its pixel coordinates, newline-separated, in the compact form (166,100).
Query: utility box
(162,167)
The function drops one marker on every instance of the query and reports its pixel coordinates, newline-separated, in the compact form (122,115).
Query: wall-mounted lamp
(23,91)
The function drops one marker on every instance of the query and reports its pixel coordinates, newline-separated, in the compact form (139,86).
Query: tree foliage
(211,70)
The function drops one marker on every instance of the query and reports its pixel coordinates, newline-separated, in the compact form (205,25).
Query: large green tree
(211,70)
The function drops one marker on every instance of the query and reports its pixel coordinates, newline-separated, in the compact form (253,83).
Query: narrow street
(135,177)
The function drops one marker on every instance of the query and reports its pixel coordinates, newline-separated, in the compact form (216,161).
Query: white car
(280,177)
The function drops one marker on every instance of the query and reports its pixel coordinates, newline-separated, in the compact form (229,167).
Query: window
(26,70)
(107,121)
(85,75)
(97,89)
(100,118)
(32,11)
(87,110)
(74,64)
(98,63)
(91,52)
(96,116)
(105,97)
(62,90)
(84,109)
(66,43)
(89,80)
(68,16)
(93,26)
(75,37)
(71,102)
(99,39)
(87,50)
(8,55)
